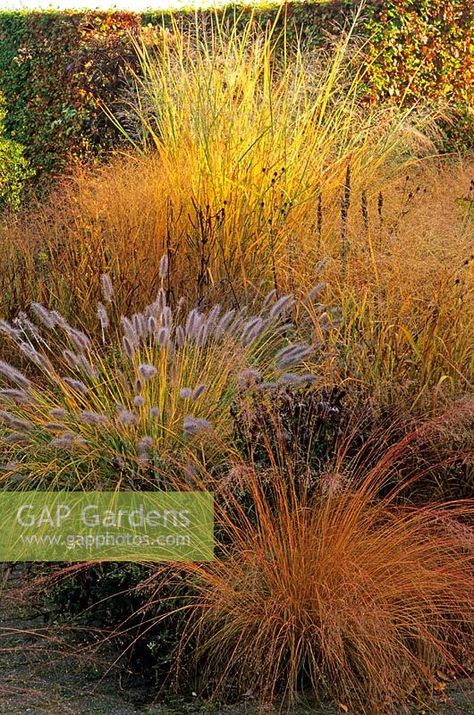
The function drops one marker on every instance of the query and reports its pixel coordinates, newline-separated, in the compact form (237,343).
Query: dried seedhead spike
(92,418)
(103,316)
(147,371)
(107,287)
(44,315)
(194,425)
(76,385)
(164,266)
(282,305)
(16,395)
(11,373)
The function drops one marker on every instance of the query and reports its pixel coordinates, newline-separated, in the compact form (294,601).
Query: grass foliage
(323,255)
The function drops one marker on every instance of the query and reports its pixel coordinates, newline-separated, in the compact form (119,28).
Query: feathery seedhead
(92,418)
(127,417)
(36,357)
(198,391)
(248,377)
(316,290)
(107,287)
(164,265)
(44,315)
(161,300)
(250,324)
(185,393)
(54,426)
(145,442)
(291,378)
(77,385)
(103,316)
(129,330)
(23,323)
(166,316)
(138,401)
(155,412)
(144,447)
(16,438)
(282,329)
(147,371)
(58,412)
(269,298)
(86,366)
(70,358)
(79,339)
(194,425)
(9,330)
(236,325)
(128,346)
(308,378)
(252,330)
(267,385)
(140,325)
(13,421)
(282,305)
(15,395)
(180,336)
(152,325)
(163,336)
(214,314)
(189,327)
(202,334)
(292,354)
(14,375)
(59,319)
(225,321)
(63,441)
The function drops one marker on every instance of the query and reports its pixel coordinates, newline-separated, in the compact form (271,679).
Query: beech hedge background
(58,69)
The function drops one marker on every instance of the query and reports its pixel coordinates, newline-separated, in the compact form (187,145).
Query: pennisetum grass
(157,388)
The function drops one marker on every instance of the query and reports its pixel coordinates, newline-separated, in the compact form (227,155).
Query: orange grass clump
(340,593)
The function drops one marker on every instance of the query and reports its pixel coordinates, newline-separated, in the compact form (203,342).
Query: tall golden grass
(240,141)
(252,164)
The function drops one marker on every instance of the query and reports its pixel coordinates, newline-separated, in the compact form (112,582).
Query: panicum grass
(242,141)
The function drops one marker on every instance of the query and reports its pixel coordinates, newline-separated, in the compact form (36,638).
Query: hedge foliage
(14,168)
(58,69)
(55,70)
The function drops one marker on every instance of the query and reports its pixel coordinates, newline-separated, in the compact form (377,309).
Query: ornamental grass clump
(155,390)
(240,146)
(333,592)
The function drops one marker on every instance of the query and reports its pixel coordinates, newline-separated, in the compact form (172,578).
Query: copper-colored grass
(407,296)
(341,594)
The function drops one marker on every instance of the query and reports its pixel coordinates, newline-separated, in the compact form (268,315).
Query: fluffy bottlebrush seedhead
(167,375)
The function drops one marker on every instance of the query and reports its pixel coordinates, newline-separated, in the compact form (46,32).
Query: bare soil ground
(38,676)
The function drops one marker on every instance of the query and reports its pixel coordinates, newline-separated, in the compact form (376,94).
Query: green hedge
(14,169)
(57,68)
